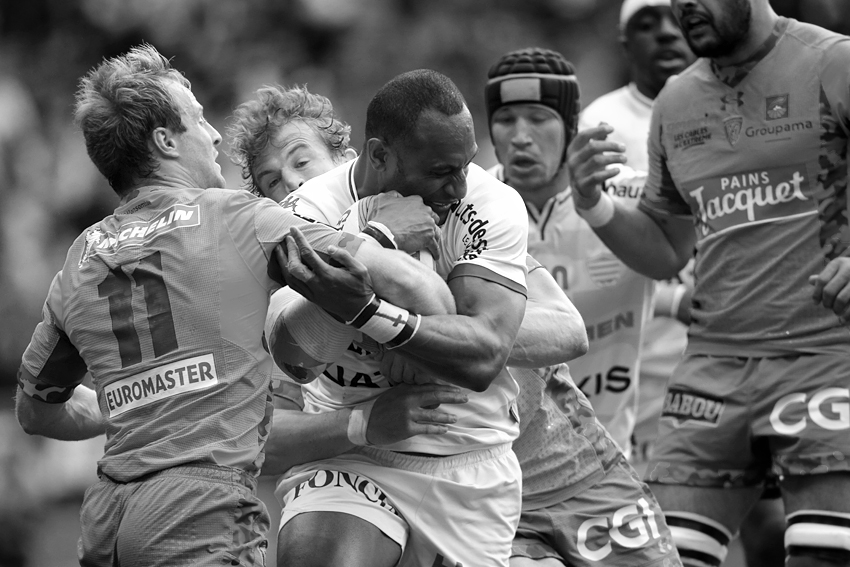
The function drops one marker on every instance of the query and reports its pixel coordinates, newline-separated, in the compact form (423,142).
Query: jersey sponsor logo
(682,406)
(475,239)
(166,381)
(630,527)
(732,126)
(616,380)
(139,233)
(778,129)
(776,107)
(329,480)
(627,186)
(602,329)
(350,378)
(828,408)
(605,269)
(689,134)
(733,201)
(732,101)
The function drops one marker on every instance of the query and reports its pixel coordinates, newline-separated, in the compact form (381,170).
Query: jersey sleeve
(835,80)
(54,363)
(660,195)
(494,240)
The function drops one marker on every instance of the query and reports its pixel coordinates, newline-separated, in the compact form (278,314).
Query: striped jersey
(163,302)
(756,155)
(613,300)
(484,236)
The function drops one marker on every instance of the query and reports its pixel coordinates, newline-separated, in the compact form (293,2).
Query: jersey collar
(732,75)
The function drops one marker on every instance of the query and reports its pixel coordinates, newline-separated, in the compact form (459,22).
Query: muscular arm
(397,414)
(77,419)
(552,330)
(655,245)
(470,348)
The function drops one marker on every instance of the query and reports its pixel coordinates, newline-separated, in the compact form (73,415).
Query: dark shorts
(617,523)
(729,421)
(188,515)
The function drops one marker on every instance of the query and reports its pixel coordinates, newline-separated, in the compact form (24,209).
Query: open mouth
(522,163)
(695,24)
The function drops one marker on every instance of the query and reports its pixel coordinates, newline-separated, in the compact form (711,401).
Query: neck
(647,87)
(763,21)
(365,178)
(538,196)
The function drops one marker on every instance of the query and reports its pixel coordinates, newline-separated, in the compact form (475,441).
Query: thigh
(334,538)
(616,522)
(804,410)
(726,506)
(175,520)
(817,492)
(528,550)
(100,516)
(704,436)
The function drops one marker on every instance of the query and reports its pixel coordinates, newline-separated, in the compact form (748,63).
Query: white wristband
(358,423)
(599,214)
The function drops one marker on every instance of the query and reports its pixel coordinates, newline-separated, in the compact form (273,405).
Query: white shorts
(455,510)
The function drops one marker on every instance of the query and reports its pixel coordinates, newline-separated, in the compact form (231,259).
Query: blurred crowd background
(344,49)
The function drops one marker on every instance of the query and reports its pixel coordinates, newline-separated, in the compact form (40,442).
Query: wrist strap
(386,323)
(599,214)
(381,233)
(358,423)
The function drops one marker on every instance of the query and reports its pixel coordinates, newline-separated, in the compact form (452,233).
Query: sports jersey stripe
(473,270)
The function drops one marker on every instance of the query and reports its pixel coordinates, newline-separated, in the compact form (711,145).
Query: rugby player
(532,98)
(748,162)
(656,50)
(452,497)
(163,302)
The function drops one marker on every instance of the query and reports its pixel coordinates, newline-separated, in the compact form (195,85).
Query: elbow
(582,345)
(480,375)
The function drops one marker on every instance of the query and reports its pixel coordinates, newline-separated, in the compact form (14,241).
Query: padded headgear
(534,75)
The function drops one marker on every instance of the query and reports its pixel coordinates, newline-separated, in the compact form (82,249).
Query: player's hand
(404,411)
(832,288)
(412,222)
(398,369)
(341,291)
(588,158)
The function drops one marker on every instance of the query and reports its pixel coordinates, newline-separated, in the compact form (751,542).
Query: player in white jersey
(656,50)
(532,99)
(420,141)
(764,113)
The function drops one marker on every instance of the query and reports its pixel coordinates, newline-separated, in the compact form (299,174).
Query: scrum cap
(535,75)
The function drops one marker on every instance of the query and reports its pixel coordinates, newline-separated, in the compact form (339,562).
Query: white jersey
(484,236)
(629,113)
(613,300)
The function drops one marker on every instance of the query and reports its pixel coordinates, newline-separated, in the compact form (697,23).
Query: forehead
(439,137)
(650,12)
(183,98)
(525,109)
(301,133)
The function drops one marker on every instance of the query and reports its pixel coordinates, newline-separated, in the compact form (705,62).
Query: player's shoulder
(807,35)
(485,188)
(603,104)
(682,89)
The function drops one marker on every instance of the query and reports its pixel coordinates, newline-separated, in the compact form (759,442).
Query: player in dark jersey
(748,162)
(163,303)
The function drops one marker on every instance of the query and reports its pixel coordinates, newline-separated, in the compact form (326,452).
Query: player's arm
(395,415)
(76,419)
(552,330)
(651,243)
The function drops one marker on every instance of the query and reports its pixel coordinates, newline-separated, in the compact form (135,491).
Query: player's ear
(377,153)
(163,142)
(349,154)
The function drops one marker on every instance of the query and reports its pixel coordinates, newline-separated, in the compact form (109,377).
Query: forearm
(297,438)
(639,241)
(403,281)
(77,419)
(548,337)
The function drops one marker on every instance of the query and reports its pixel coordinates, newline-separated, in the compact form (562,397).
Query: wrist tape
(599,214)
(381,233)
(358,423)
(386,323)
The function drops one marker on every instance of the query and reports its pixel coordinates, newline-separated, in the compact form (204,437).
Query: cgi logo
(841,410)
(628,527)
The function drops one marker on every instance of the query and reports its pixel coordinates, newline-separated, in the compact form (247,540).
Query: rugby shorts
(616,522)
(200,515)
(731,421)
(458,509)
